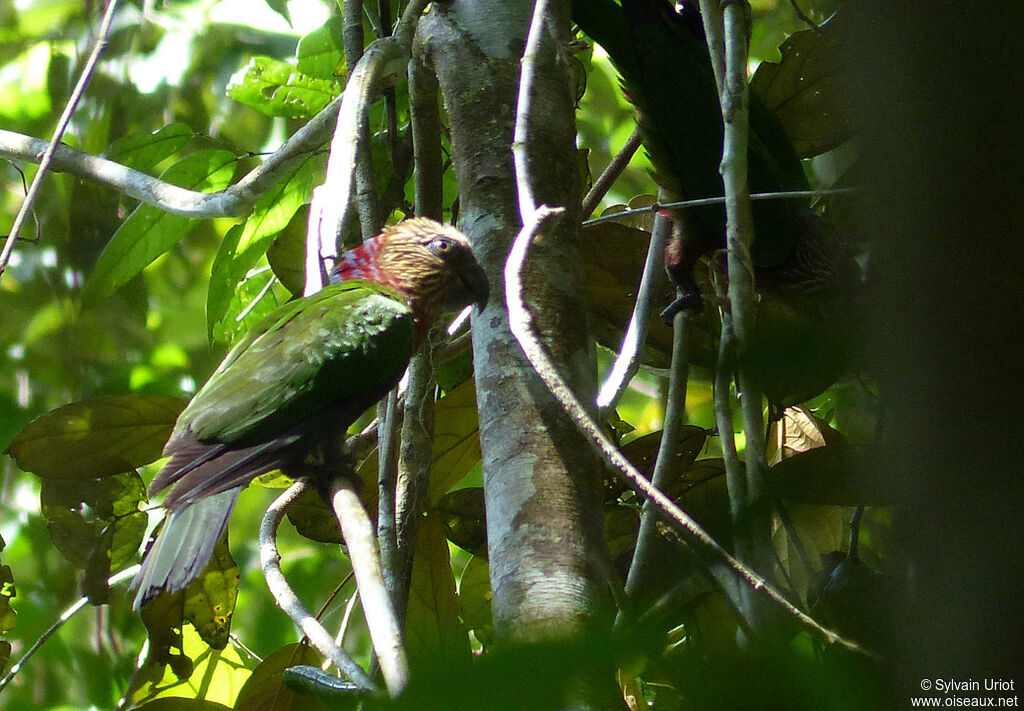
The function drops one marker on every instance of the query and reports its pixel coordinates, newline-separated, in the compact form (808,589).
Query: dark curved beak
(473,285)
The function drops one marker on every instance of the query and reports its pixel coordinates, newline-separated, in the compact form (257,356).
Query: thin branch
(385,632)
(230,202)
(524,101)
(803,16)
(701,202)
(116,579)
(425,116)
(58,133)
(284,596)
(665,466)
(627,363)
(352,32)
(611,173)
(520,325)
(387,485)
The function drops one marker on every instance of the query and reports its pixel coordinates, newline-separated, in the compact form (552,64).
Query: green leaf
(209,600)
(281,8)
(806,90)
(275,88)
(456,440)
(287,255)
(475,597)
(432,625)
(8,616)
(98,437)
(313,518)
(149,231)
(321,53)
(95,524)
(464,517)
(143,150)
(242,249)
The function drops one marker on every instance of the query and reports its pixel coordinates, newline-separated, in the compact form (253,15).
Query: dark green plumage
(293,385)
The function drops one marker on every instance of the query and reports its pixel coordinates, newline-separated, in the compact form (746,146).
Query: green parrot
(293,385)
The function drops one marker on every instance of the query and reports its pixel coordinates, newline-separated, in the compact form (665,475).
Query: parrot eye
(441,246)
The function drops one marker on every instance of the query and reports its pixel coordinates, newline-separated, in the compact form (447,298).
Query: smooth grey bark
(542,479)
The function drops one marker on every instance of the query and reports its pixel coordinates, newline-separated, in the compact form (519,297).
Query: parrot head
(429,264)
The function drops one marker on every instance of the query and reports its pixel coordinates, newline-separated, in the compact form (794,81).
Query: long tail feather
(184,547)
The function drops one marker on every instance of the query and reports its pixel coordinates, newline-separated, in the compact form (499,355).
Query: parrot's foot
(685,301)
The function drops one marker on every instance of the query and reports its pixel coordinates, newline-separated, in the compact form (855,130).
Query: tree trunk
(542,478)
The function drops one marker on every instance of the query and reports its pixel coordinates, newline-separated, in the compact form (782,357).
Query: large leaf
(97,437)
(149,231)
(432,625)
(456,439)
(320,53)
(465,520)
(475,597)
(806,91)
(144,150)
(275,88)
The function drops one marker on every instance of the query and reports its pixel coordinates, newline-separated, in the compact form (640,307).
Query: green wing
(348,343)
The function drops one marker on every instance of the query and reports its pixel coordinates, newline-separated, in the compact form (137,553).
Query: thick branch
(520,323)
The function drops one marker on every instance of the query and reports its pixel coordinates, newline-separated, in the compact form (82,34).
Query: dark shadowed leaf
(806,89)
(265,689)
(462,512)
(287,254)
(432,626)
(313,518)
(98,437)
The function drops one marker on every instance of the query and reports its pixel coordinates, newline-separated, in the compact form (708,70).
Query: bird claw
(685,301)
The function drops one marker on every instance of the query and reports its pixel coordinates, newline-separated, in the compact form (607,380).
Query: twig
(524,101)
(627,363)
(58,133)
(804,17)
(387,485)
(520,325)
(116,579)
(352,32)
(270,561)
(378,611)
(701,202)
(665,466)
(611,173)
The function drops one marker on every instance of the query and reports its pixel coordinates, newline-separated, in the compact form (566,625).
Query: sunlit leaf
(242,249)
(149,231)
(97,437)
(209,600)
(275,88)
(321,53)
(475,598)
